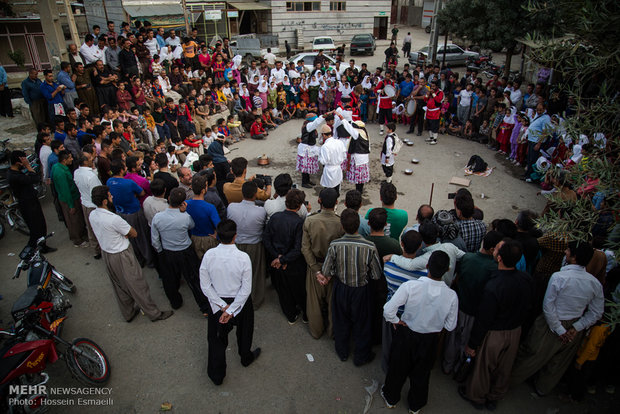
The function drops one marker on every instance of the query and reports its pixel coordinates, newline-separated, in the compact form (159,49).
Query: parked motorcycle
(10,212)
(482,62)
(34,341)
(41,273)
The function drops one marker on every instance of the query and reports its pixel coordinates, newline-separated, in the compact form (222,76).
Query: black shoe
(48,249)
(491,405)
(97,256)
(343,359)
(307,185)
(217,381)
(311,183)
(371,356)
(304,319)
(178,306)
(133,315)
(463,395)
(163,315)
(419,134)
(255,354)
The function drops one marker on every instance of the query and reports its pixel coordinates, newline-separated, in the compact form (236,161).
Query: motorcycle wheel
(83,369)
(19,224)
(64,283)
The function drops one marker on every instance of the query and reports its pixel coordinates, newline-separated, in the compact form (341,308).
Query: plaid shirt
(353,259)
(472,231)
(553,247)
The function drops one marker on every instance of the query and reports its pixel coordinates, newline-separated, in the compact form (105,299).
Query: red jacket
(257,129)
(433,104)
(384,101)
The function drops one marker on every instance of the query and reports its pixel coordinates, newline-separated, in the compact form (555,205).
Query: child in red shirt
(257,131)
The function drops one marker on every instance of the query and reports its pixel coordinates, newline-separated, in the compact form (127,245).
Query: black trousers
(412,355)
(351,313)
(433,125)
(34,218)
(305,178)
(217,337)
(388,170)
(6,108)
(290,284)
(417,119)
(385,115)
(532,157)
(183,262)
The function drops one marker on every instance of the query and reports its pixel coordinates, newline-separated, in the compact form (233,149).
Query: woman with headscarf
(505,130)
(303,91)
(313,89)
(272,95)
(246,99)
(329,97)
(337,94)
(321,97)
(263,89)
(253,83)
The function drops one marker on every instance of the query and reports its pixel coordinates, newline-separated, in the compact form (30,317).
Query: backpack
(398,144)
(477,164)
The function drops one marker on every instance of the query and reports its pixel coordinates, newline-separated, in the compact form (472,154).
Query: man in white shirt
(332,155)
(430,306)
(462,111)
(270,58)
(112,232)
(226,280)
(573,302)
(89,50)
(44,154)
(278,73)
(86,179)
(151,43)
(516,96)
(282,184)
(173,40)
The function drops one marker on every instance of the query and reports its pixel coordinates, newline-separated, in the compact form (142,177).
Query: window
(337,5)
(303,6)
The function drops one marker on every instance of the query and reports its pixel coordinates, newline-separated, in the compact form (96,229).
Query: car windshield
(361,38)
(323,41)
(297,57)
(424,49)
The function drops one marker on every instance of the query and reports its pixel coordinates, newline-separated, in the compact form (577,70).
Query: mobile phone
(451,196)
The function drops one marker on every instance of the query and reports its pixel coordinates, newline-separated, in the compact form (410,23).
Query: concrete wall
(341,26)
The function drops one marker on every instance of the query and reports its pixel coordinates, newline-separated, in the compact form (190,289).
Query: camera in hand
(265,180)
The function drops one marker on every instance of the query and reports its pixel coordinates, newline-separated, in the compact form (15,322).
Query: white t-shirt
(270,58)
(465,96)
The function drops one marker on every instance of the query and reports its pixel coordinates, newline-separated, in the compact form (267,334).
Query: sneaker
(429,139)
(294,320)
(414,412)
(304,319)
(380,132)
(84,244)
(528,180)
(433,142)
(387,404)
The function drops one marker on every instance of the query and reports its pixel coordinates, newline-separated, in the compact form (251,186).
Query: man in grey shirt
(170,237)
(250,220)
(111,55)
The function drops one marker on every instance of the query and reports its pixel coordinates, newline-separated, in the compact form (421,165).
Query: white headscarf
(313,81)
(244,90)
(286,81)
(262,87)
(511,118)
(577,155)
(366,82)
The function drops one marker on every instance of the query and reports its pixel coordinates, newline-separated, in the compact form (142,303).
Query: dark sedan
(363,43)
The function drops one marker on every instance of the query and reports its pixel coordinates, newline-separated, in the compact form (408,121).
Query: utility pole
(185,16)
(54,37)
(75,37)
(432,48)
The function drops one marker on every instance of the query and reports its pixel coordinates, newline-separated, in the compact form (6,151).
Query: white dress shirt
(173,42)
(293,74)
(91,53)
(516,97)
(420,262)
(360,159)
(278,204)
(152,46)
(86,179)
(226,272)
(250,220)
(430,306)
(44,154)
(278,75)
(569,293)
(110,230)
(333,153)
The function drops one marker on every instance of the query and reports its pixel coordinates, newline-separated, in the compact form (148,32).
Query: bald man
(185,181)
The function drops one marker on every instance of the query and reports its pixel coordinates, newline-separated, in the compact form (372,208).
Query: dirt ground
(153,363)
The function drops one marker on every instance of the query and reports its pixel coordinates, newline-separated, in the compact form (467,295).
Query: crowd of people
(140,176)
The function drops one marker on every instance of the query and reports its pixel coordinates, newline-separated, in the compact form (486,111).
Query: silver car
(455,56)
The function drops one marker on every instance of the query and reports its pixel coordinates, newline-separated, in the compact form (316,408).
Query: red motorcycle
(33,342)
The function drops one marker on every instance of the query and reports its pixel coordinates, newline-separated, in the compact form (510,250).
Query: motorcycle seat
(25,300)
